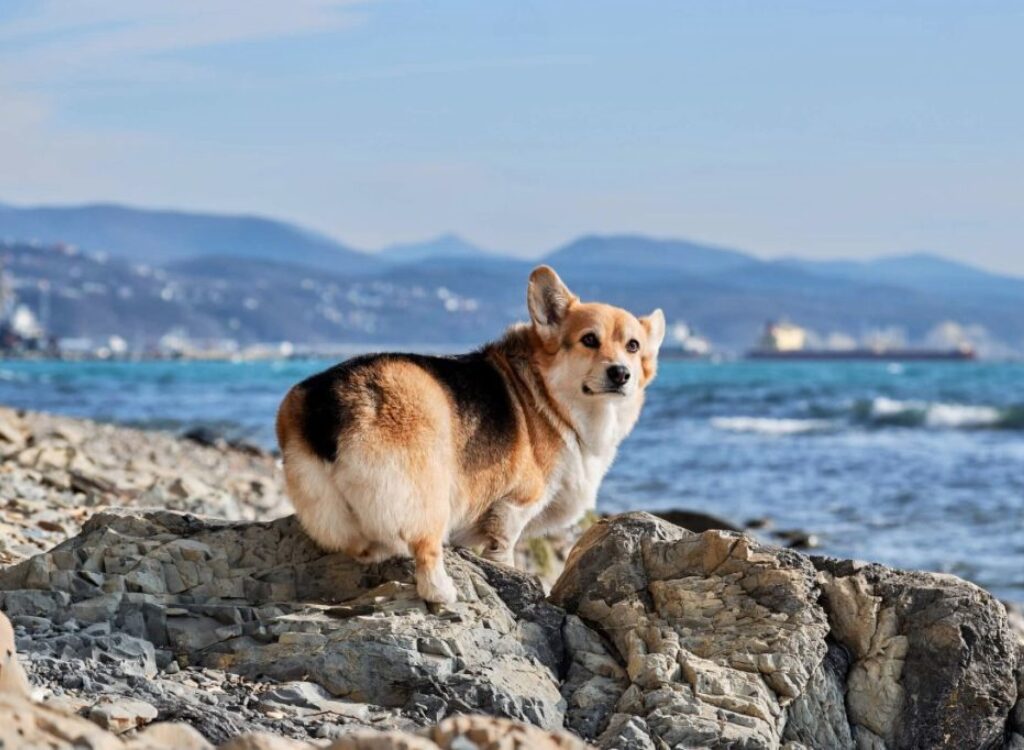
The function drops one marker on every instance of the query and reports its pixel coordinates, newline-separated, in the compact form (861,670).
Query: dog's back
(380,391)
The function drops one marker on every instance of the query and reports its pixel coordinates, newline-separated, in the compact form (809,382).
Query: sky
(813,129)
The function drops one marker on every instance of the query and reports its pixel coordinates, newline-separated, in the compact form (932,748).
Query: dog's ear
(548,300)
(654,324)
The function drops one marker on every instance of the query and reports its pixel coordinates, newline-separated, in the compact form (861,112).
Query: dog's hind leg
(501,529)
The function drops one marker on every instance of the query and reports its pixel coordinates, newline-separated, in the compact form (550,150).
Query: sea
(917,465)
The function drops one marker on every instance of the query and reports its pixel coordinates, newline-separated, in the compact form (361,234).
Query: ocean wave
(772,425)
(888,412)
(882,412)
(13,377)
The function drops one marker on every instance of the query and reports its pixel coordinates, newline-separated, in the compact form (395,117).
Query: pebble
(122,714)
(797,538)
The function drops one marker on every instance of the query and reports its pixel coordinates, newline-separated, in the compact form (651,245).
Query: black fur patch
(323,414)
(476,387)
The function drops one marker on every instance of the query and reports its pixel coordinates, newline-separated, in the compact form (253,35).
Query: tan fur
(413,471)
(12,676)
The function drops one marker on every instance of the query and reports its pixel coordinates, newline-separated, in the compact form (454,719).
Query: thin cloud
(88,40)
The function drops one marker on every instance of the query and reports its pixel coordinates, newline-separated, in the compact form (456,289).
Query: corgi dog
(399,454)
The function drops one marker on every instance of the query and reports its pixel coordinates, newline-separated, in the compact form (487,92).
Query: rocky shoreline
(56,472)
(161,596)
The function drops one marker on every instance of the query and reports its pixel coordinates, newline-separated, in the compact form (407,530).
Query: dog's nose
(618,374)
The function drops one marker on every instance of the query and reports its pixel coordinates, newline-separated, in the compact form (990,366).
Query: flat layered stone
(262,601)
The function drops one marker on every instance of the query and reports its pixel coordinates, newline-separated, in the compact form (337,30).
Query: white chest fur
(585,459)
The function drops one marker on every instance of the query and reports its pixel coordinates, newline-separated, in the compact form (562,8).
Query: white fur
(338,505)
(600,423)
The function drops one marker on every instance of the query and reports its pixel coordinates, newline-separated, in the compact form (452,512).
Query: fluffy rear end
(381,484)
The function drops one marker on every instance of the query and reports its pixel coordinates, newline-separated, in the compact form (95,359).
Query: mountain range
(140,273)
(159,237)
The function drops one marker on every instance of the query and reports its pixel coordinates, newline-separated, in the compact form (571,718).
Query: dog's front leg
(501,529)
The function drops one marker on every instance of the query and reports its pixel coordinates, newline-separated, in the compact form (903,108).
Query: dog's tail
(288,425)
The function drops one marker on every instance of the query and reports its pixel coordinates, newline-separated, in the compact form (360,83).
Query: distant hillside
(609,256)
(159,237)
(446,246)
(251,301)
(921,271)
(256,280)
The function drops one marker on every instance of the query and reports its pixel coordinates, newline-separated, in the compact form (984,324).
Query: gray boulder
(725,642)
(260,600)
(932,656)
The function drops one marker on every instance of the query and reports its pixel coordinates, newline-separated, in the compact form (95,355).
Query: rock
(694,520)
(260,600)
(393,741)
(205,436)
(818,717)
(170,735)
(545,556)
(486,733)
(24,724)
(185,487)
(730,643)
(47,604)
(13,432)
(711,629)
(797,538)
(123,714)
(1017,714)
(56,457)
(625,731)
(263,741)
(932,655)
(594,681)
(464,733)
(758,523)
(312,698)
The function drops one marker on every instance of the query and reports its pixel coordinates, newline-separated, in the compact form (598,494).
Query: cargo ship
(785,341)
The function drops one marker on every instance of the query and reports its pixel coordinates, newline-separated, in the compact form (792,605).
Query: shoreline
(56,471)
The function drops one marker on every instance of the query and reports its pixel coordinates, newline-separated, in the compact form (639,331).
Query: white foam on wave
(961,415)
(771,425)
(883,407)
(937,415)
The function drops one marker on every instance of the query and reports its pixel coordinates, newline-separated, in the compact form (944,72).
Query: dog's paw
(440,590)
(501,555)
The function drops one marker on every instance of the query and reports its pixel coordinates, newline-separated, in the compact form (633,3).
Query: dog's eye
(632,346)
(590,341)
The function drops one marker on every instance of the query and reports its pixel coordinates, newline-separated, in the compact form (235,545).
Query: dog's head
(592,352)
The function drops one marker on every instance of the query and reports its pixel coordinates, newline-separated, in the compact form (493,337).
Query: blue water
(918,465)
